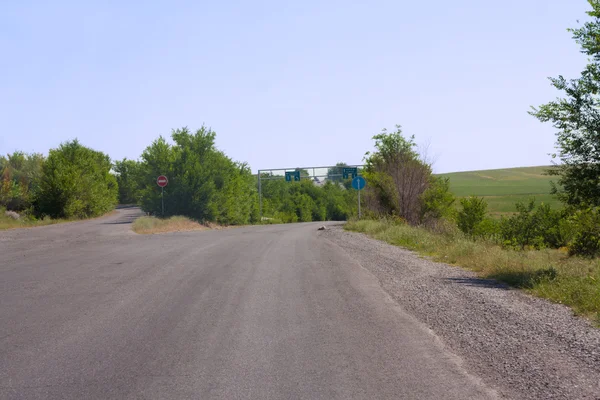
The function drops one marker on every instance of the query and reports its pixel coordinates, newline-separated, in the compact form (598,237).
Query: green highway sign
(349,172)
(292,175)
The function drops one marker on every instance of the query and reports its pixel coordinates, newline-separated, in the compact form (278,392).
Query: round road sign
(359,183)
(162,181)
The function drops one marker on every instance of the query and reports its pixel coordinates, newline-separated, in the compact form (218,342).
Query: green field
(502,188)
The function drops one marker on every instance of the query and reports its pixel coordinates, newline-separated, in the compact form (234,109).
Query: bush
(472,214)
(437,200)
(76,183)
(586,233)
(533,227)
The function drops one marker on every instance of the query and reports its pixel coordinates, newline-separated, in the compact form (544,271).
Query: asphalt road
(90,310)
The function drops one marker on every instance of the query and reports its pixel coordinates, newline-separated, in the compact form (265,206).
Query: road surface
(90,310)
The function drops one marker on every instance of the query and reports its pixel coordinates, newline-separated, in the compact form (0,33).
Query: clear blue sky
(287,84)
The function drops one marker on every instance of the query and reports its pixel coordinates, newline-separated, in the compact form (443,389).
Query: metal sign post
(359,184)
(162,181)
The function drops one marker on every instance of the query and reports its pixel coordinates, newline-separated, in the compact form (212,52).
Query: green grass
(550,274)
(502,188)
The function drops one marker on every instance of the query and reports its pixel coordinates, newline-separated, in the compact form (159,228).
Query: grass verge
(149,225)
(31,222)
(550,274)
(10,223)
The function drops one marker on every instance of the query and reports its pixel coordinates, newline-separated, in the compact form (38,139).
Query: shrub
(472,214)
(437,200)
(488,229)
(586,233)
(533,227)
(76,183)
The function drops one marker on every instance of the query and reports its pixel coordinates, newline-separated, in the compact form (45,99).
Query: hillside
(502,188)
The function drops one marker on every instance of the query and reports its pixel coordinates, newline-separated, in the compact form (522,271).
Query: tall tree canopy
(204,183)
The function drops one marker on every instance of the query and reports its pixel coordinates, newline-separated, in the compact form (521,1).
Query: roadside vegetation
(550,251)
(548,273)
(149,225)
(13,220)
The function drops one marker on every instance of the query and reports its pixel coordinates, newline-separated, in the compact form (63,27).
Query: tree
(334,174)
(204,183)
(19,178)
(577,119)
(127,174)
(76,183)
(397,175)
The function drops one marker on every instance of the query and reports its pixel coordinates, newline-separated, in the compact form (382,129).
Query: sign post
(359,184)
(162,181)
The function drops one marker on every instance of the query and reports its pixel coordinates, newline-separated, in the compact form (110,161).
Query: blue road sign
(359,183)
(349,172)
(292,175)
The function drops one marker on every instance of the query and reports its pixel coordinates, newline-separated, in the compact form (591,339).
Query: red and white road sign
(162,181)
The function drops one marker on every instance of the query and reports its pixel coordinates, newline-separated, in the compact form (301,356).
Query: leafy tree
(19,178)
(76,183)
(397,176)
(334,174)
(203,182)
(577,120)
(128,179)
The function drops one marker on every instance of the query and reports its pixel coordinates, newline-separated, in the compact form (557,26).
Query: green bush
(488,229)
(76,183)
(437,201)
(586,233)
(472,214)
(534,227)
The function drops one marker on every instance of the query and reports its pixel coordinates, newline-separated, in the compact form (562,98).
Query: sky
(288,84)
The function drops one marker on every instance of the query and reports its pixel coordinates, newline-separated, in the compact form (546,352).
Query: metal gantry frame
(314,175)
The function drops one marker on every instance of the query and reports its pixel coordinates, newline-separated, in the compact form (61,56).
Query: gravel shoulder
(524,347)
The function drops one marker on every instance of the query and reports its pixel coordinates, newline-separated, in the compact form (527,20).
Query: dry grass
(30,222)
(548,273)
(150,225)
(9,223)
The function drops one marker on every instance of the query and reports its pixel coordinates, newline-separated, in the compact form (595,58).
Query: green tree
(397,176)
(204,183)
(19,179)
(128,179)
(334,174)
(76,182)
(577,120)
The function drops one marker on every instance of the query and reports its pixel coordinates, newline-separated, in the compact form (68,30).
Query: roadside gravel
(524,347)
